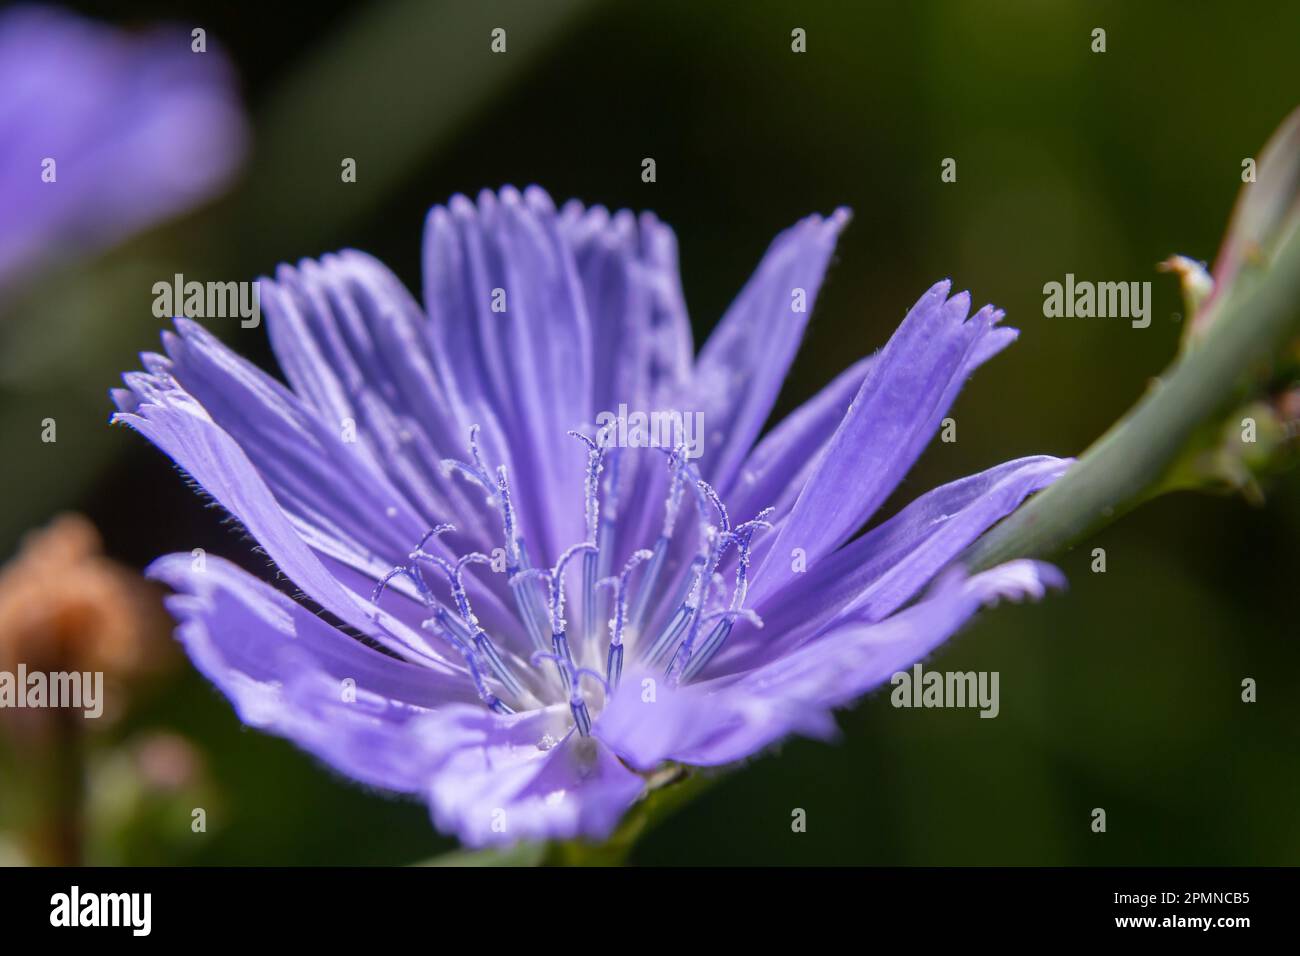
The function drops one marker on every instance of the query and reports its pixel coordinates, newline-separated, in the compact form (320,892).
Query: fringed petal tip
(1017,581)
(956,306)
(834,224)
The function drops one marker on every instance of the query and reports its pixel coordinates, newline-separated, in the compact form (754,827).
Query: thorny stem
(1127,464)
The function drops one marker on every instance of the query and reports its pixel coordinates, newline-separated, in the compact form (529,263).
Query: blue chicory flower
(523,628)
(104,132)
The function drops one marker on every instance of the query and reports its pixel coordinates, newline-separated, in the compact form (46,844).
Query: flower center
(699,625)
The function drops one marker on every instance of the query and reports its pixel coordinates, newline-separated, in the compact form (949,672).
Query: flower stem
(661,802)
(1126,465)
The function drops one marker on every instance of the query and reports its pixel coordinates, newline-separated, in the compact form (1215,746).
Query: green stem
(660,803)
(1125,466)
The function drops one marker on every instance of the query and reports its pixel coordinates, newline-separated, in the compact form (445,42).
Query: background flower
(138,125)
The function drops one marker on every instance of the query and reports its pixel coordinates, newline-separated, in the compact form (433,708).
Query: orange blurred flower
(65,606)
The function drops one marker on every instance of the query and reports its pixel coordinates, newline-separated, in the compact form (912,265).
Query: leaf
(521,854)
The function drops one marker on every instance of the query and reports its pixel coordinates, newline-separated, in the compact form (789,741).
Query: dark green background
(1123,693)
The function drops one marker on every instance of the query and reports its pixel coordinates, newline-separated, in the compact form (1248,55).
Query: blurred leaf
(394,83)
(521,854)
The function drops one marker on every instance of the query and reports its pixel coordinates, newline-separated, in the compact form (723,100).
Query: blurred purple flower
(138,126)
(515,714)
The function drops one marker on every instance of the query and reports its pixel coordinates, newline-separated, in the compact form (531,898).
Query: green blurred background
(1123,693)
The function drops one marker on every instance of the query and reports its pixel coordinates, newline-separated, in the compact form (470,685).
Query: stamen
(609,514)
(650,579)
(713,498)
(720,538)
(559,638)
(594,675)
(477,472)
(413,573)
(682,617)
(718,545)
(493,702)
(676,487)
(694,660)
(717,637)
(577,705)
(591,485)
(614,660)
(700,605)
(742,535)
(412,570)
(527,601)
(478,637)
(514,546)
(714,542)
(591,493)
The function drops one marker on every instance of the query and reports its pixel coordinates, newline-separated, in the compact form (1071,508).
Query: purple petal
(531,363)
(354,345)
(784,460)
(338,497)
(284,670)
(743,363)
(722,721)
(873,576)
(641,336)
(499,780)
(896,412)
(175,422)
